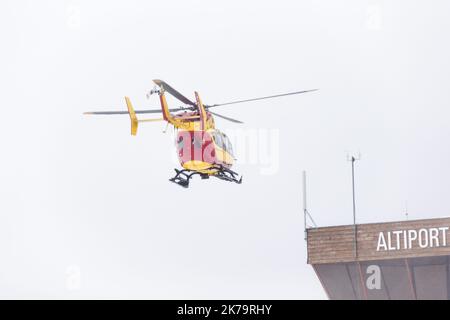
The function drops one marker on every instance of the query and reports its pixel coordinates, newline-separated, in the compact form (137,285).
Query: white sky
(87,211)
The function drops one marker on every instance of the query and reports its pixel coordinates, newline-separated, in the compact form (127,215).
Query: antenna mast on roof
(305,208)
(406,211)
(352,159)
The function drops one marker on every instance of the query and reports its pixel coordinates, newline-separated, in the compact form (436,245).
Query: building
(395,260)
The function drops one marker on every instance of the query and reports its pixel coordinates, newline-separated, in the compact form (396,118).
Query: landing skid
(183,177)
(227,175)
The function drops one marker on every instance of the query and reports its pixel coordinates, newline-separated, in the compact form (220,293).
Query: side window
(229,146)
(218,140)
(224,141)
(180,142)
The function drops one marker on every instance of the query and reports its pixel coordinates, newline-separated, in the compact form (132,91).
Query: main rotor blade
(261,98)
(224,117)
(173,92)
(137,111)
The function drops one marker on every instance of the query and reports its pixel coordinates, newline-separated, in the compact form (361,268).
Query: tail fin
(133,118)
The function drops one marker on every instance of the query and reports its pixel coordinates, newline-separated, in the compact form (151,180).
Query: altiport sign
(412,238)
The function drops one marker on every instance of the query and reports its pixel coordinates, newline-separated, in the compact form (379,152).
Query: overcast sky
(87,210)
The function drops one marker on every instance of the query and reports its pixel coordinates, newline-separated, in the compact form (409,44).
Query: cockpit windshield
(222,141)
(229,145)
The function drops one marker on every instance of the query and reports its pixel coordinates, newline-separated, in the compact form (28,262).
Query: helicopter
(202,149)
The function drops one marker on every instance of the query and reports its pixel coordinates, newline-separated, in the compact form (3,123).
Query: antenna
(167,125)
(406,210)
(352,159)
(305,208)
(153,91)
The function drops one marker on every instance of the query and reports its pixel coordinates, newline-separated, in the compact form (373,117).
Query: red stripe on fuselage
(195,146)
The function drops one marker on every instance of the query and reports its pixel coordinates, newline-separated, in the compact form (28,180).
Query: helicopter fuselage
(204,151)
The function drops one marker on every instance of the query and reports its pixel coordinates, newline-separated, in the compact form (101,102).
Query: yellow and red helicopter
(202,149)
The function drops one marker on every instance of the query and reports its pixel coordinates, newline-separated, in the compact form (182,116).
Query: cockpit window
(227,143)
(229,147)
(218,140)
(222,141)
